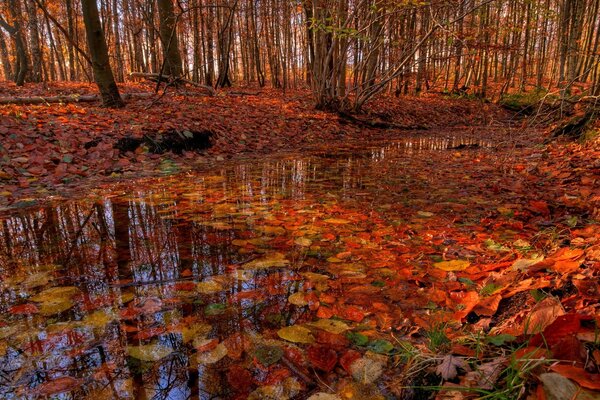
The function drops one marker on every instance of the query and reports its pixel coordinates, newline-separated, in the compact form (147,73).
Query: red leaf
(348,358)
(26,309)
(56,386)
(322,357)
(331,339)
(239,378)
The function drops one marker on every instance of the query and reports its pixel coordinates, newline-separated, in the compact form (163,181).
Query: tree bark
(168,37)
(103,74)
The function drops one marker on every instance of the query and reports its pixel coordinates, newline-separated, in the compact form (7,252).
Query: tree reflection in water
(136,294)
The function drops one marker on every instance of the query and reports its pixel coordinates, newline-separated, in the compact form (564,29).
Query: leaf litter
(288,282)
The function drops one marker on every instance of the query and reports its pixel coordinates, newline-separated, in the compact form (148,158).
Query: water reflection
(141,294)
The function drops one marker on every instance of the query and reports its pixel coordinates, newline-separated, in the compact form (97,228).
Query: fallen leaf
(448,368)
(296,334)
(453,265)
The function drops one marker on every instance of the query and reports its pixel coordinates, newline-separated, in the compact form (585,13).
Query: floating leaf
(57,386)
(330,325)
(212,356)
(270,261)
(98,319)
(52,294)
(268,355)
(209,287)
(453,265)
(366,370)
(298,299)
(51,307)
(150,352)
(195,330)
(296,334)
(215,309)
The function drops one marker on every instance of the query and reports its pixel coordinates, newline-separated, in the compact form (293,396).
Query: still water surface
(176,287)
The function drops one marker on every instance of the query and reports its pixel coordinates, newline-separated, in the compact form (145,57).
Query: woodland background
(346,51)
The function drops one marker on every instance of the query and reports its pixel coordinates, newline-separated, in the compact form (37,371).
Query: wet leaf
(453,265)
(195,330)
(57,386)
(268,355)
(98,319)
(151,352)
(298,299)
(209,287)
(215,309)
(296,334)
(212,356)
(270,261)
(56,293)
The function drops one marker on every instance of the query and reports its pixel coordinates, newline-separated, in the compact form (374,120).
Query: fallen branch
(74,98)
(170,80)
(377,124)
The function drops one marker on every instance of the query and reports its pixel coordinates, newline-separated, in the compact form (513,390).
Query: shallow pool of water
(179,287)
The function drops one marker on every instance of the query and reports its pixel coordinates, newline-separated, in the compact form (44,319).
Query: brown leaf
(448,369)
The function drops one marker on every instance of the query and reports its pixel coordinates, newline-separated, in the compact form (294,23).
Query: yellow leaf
(298,299)
(330,325)
(270,261)
(302,241)
(296,334)
(337,221)
(209,287)
(453,265)
(150,352)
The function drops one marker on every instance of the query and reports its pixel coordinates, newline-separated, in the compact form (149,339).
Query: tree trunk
(168,37)
(99,51)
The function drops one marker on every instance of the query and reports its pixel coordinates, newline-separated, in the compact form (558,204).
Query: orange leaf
(579,375)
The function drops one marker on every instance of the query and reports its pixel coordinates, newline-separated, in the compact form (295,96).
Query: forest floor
(548,193)
(45,149)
